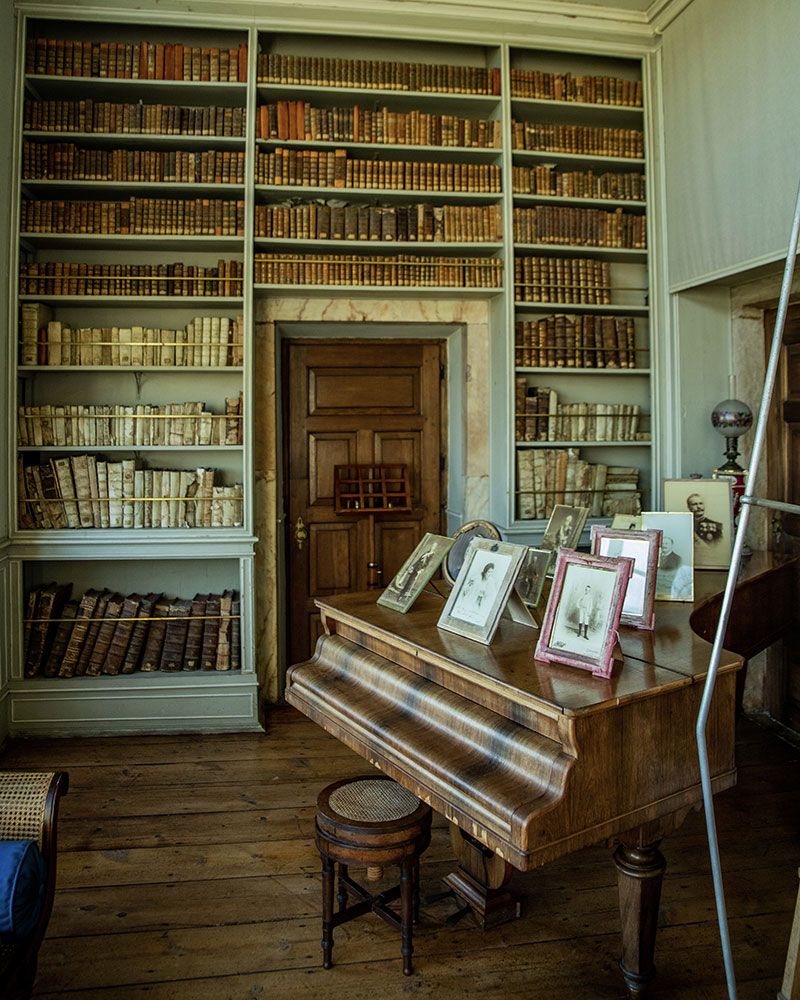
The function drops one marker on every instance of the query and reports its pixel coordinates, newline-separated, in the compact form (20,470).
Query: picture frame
(581,621)
(643,546)
(627,522)
(415,572)
(482,588)
(675,575)
(533,574)
(710,502)
(564,527)
(462,536)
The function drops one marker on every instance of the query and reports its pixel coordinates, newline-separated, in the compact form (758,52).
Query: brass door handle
(300,533)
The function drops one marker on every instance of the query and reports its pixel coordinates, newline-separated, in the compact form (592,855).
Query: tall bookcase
(321,166)
(133,212)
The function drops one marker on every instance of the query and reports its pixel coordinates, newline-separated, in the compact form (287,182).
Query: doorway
(782,694)
(346,402)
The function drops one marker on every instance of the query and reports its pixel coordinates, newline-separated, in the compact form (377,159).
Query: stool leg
(406,913)
(416,889)
(341,895)
(327,912)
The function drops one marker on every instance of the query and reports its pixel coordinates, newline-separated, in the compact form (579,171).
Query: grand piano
(530,760)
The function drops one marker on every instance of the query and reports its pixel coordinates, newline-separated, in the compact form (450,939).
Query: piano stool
(370,821)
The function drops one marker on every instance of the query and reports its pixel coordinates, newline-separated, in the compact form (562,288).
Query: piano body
(533,760)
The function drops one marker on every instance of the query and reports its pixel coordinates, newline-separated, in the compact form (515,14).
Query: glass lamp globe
(731,418)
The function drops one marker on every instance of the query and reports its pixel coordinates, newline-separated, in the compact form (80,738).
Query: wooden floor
(187,871)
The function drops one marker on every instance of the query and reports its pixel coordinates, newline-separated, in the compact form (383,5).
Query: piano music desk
(530,760)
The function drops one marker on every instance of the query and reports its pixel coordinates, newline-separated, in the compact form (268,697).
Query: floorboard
(187,871)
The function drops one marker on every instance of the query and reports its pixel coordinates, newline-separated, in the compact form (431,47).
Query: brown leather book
(121,637)
(61,639)
(236,632)
(133,654)
(92,632)
(224,633)
(105,634)
(208,658)
(175,635)
(151,658)
(194,633)
(51,601)
(83,619)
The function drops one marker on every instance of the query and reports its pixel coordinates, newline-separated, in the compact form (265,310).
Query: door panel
(348,390)
(345,403)
(324,452)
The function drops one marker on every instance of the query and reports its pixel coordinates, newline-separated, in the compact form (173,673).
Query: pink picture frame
(643,546)
(581,621)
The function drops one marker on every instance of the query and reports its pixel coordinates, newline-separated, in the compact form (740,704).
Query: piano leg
(480,881)
(640,872)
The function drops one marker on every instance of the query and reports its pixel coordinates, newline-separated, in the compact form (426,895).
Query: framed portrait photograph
(583,611)
(564,527)
(710,503)
(415,572)
(675,576)
(482,588)
(627,522)
(644,548)
(533,574)
(462,536)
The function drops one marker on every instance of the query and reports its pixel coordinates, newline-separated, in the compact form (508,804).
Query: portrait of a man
(706,529)
(708,501)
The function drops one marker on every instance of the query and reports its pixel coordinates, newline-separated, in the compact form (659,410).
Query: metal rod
(788,508)
(727,602)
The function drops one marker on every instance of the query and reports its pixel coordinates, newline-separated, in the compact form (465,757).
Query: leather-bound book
(208,658)
(83,619)
(175,635)
(61,639)
(151,658)
(105,634)
(133,654)
(92,632)
(52,599)
(194,633)
(121,637)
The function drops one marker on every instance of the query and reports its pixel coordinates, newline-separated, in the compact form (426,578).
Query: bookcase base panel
(99,707)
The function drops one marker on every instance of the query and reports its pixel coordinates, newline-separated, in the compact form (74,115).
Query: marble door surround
(466,321)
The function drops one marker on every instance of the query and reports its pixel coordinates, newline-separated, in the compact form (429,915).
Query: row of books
(107,633)
(376,74)
(583,89)
(134,60)
(545,179)
(550,476)
(568,226)
(64,161)
(403,223)
(320,168)
(70,277)
(562,279)
(402,270)
(205,342)
(86,491)
(567,341)
(136,216)
(298,120)
(178,425)
(586,140)
(540,417)
(106,117)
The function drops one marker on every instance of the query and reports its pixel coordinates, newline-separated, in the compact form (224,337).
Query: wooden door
(348,402)
(782,694)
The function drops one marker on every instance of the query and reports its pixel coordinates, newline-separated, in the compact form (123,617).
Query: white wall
(731,134)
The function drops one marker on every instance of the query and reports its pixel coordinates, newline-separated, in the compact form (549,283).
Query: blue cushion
(23,884)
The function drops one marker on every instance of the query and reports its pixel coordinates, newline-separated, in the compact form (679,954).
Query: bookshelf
(580,310)
(134,219)
(157,215)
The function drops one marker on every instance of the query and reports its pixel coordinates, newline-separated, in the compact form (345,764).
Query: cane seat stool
(370,821)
